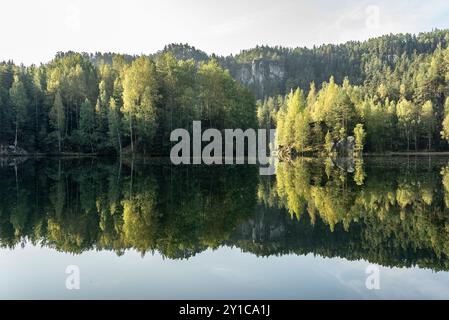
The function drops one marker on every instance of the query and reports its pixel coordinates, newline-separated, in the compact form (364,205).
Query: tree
(19,101)
(359,135)
(114,125)
(428,121)
(445,130)
(295,105)
(280,128)
(302,131)
(140,94)
(328,142)
(57,118)
(407,118)
(87,124)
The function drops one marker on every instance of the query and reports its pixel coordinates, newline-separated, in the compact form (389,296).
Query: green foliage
(407,114)
(140,94)
(114,125)
(359,136)
(115,103)
(328,142)
(396,86)
(57,119)
(19,102)
(86,130)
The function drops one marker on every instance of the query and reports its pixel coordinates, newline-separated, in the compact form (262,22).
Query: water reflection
(391,211)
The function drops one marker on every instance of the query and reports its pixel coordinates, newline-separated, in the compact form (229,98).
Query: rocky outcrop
(261,74)
(344,147)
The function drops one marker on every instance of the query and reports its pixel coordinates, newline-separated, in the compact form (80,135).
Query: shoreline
(139,155)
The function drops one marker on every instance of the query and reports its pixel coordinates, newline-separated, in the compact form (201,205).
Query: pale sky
(33,31)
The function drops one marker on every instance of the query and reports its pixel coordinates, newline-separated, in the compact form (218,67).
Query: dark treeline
(392,211)
(393,90)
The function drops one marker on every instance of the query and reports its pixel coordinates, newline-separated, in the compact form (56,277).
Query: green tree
(20,102)
(87,124)
(114,125)
(57,118)
(328,142)
(140,94)
(407,118)
(302,131)
(428,121)
(295,105)
(359,135)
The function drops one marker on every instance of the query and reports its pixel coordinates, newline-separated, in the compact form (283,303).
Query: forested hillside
(79,103)
(390,93)
(391,90)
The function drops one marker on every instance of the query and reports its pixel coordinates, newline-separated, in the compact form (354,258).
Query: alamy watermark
(72,281)
(372,281)
(260,147)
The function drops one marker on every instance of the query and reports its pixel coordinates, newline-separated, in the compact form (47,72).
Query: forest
(391,93)
(72,105)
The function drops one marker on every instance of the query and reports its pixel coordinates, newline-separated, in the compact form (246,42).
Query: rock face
(261,75)
(344,147)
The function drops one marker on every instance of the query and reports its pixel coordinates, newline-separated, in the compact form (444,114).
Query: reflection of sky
(35,272)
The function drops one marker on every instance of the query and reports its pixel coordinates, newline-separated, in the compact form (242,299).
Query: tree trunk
(59,141)
(36,138)
(119,143)
(131,133)
(15,140)
(408,142)
(416,142)
(17,180)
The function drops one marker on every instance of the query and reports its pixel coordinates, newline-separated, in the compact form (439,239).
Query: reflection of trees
(395,216)
(82,205)
(390,213)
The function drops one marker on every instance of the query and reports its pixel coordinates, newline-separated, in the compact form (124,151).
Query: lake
(318,229)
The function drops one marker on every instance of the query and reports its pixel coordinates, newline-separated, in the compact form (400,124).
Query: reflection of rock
(12,151)
(344,147)
(345,164)
(9,161)
(11,156)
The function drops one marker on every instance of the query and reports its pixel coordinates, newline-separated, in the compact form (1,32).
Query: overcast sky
(33,31)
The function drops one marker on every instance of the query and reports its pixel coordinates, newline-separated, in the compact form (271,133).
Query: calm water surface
(146,229)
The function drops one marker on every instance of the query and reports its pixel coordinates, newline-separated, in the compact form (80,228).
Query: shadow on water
(391,211)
